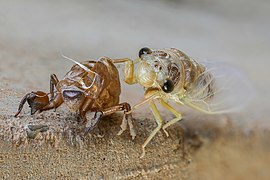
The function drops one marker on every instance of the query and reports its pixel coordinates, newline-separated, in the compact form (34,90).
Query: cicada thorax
(185,73)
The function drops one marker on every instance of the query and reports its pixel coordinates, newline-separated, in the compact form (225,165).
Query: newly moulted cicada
(90,86)
(170,75)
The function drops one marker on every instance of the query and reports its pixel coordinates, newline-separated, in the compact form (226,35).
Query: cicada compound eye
(168,86)
(144,50)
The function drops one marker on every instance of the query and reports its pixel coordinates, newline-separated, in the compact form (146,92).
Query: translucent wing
(220,89)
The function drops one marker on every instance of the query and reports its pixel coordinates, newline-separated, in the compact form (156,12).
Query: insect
(90,86)
(170,75)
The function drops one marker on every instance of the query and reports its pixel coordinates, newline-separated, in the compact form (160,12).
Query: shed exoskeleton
(90,86)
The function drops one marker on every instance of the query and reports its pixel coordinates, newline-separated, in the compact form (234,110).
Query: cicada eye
(168,86)
(144,50)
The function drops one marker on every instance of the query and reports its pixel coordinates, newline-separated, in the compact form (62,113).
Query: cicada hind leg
(159,121)
(172,110)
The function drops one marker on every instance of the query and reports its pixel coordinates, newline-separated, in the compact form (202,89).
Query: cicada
(171,75)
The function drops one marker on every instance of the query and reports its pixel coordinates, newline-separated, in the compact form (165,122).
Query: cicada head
(158,69)
(146,75)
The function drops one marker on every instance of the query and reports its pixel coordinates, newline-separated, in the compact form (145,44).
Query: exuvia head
(73,97)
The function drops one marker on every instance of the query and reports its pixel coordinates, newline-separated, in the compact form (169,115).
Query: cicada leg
(171,122)
(86,105)
(55,100)
(159,121)
(53,82)
(39,101)
(129,69)
(127,119)
(149,96)
(54,103)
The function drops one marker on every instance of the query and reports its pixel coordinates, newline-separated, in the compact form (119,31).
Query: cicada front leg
(129,69)
(150,96)
(159,122)
(39,101)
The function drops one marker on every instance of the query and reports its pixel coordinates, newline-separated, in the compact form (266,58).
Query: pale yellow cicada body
(170,75)
(210,87)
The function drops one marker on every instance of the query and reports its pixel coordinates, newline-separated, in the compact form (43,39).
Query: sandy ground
(34,34)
